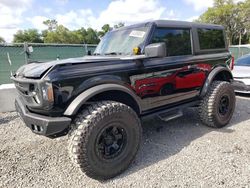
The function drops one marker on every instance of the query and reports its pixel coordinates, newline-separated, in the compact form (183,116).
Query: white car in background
(241,74)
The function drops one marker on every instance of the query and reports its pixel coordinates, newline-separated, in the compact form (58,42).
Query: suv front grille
(28,90)
(23,88)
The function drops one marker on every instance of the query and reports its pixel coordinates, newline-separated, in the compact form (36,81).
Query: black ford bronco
(148,69)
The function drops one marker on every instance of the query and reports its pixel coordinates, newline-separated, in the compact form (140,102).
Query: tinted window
(211,39)
(243,61)
(178,41)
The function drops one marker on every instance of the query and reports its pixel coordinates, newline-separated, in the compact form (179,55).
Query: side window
(178,41)
(211,39)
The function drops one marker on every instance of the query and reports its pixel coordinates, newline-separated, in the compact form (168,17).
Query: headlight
(47,92)
(36,98)
(40,95)
(33,91)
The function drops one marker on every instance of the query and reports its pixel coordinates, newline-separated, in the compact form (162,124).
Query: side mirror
(156,50)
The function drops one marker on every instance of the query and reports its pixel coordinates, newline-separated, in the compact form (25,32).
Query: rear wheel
(105,139)
(217,107)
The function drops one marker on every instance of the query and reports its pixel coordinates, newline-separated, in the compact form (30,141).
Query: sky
(74,14)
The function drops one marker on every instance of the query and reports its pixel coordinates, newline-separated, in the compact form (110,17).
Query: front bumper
(42,125)
(241,87)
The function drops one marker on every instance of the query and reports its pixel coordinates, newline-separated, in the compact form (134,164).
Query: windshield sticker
(137,34)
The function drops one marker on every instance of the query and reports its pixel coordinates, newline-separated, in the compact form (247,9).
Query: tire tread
(81,128)
(207,105)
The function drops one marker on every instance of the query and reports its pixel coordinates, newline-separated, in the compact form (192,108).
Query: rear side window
(211,39)
(178,41)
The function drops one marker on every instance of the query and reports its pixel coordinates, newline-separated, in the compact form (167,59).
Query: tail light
(232,63)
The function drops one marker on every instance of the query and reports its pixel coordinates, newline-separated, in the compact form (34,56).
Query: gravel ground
(179,153)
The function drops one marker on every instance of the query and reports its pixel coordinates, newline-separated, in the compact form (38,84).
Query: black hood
(36,70)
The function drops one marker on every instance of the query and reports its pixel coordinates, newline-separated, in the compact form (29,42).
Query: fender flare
(211,76)
(75,105)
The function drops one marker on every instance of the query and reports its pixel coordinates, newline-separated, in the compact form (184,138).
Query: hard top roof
(174,23)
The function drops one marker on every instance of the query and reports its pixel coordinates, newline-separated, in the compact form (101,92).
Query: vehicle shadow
(162,140)
(6,119)
(243,95)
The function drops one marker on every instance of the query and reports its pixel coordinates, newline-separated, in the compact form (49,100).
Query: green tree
(30,35)
(80,36)
(60,35)
(229,14)
(2,40)
(92,36)
(241,22)
(64,35)
(105,28)
(246,13)
(51,24)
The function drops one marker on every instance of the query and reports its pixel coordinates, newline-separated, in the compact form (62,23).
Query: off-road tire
(90,123)
(209,110)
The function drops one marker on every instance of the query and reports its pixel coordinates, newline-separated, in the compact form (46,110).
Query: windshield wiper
(113,53)
(96,54)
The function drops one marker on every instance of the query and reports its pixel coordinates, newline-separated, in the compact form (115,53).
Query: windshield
(243,61)
(121,42)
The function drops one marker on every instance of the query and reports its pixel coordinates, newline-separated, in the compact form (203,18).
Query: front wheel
(217,107)
(105,139)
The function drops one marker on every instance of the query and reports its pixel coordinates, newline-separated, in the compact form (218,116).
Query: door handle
(139,63)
